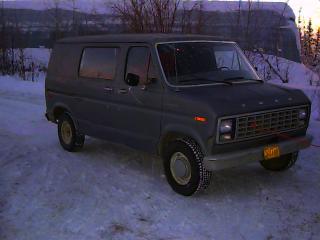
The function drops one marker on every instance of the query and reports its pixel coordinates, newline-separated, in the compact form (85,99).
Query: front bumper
(227,160)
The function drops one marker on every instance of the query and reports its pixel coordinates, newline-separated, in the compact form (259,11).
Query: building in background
(269,26)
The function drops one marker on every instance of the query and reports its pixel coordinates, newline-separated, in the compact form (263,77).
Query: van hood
(245,97)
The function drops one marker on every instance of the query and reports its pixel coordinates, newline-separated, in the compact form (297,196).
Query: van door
(139,107)
(97,73)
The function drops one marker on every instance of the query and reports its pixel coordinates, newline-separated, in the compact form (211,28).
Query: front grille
(268,123)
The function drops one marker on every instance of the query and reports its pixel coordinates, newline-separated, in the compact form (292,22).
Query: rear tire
(70,139)
(282,163)
(184,169)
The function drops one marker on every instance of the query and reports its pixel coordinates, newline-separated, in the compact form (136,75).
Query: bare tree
(248,38)
(142,16)
(186,20)
(269,65)
(75,23)
(54,8)
(239,13)
(192,18)
(3,41)
(162,16)
(12,46)
(200,19)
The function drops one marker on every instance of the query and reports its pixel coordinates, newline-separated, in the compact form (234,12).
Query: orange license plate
(271,152)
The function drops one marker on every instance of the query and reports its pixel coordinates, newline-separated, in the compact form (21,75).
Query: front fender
(180,131)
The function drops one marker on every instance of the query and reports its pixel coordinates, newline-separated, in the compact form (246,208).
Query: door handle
(122,91)
(108,89)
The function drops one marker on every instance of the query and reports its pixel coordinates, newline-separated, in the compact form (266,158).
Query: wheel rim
(66,132)
(180,168)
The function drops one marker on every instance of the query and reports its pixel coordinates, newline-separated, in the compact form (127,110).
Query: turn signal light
(200,119)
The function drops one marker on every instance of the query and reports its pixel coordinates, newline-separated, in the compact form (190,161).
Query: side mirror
(132,79)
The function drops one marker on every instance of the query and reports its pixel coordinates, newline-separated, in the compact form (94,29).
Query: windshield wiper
(243,78)
(210,81)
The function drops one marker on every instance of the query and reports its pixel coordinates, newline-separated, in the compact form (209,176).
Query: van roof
(140,38)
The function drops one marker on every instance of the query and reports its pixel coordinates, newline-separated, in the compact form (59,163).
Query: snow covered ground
(109,191)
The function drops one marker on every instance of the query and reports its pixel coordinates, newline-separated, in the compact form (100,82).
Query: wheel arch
(58,110)
(172,133)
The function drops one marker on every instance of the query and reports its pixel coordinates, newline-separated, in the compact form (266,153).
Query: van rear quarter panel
(61,82)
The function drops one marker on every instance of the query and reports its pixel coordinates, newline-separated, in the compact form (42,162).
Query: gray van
(195,101)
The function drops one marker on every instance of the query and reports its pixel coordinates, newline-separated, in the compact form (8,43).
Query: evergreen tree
(316,59)
(309,38)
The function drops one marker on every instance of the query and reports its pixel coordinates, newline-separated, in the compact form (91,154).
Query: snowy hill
(102,5)
(81,5)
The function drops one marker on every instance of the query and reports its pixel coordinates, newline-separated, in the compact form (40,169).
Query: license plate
(271,152)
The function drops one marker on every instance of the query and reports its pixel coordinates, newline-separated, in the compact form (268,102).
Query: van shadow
(119,155)
(244,180)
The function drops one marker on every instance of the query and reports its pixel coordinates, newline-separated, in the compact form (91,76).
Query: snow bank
(297,74)
(35,62)
(40,56)
(15,86)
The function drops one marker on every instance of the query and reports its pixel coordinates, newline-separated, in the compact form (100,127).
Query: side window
(137,66)
(99,63)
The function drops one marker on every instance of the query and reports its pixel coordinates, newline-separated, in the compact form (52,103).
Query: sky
(310,9)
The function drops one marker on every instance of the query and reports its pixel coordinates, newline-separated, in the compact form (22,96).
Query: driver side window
(137,66)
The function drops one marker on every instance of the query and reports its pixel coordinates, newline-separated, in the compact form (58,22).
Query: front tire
(69,138)
(183,166)
(282,163)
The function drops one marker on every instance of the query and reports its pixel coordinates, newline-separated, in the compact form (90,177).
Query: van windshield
(195,63)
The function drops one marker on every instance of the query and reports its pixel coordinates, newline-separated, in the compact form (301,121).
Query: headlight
(303,114)
(225,137)
(226,130)
(226,126)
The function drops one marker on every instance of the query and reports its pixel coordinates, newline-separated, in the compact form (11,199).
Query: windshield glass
(194,63)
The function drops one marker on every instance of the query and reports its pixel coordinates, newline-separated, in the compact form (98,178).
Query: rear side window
(99,63)
(138,63)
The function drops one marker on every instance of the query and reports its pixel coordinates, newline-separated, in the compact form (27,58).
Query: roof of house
(139,38)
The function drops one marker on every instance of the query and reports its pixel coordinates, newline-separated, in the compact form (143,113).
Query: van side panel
(133,118)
